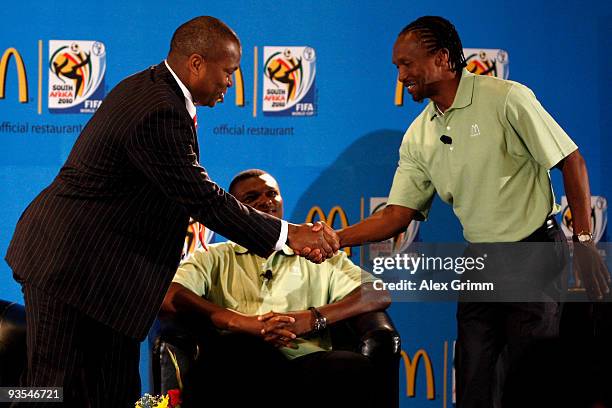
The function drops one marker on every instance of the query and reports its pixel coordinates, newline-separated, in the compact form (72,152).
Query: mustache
(268,208)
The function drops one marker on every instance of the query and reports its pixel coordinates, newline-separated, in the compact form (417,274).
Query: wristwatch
(319,321)
(583,236)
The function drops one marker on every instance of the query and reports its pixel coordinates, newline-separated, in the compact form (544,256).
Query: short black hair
(435,33)
(201,35)
(243,175)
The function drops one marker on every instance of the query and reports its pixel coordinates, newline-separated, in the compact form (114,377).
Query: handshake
(316,242)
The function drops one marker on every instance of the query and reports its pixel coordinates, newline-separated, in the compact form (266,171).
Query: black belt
(550,223)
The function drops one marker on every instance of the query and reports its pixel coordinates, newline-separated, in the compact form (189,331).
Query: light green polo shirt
(228,275)
(495,173)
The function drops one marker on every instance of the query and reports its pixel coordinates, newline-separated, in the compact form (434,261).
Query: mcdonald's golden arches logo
(330,218)
(411,366)
(22,79)
(239,86)
(399,93)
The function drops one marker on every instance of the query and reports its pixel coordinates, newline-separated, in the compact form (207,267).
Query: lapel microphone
(446,139)
(267,275)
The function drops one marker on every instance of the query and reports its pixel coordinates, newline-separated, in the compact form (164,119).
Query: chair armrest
(378,337)
(12,342)
(179,335)
(179,331)
(12,323)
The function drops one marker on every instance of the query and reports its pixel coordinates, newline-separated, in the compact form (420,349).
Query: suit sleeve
(162,148)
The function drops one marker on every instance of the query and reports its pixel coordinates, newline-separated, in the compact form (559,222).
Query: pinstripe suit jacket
(106,235)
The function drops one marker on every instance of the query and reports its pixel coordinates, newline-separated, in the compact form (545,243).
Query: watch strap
(319,321)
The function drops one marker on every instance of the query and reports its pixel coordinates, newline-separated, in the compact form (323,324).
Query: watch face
(320,323)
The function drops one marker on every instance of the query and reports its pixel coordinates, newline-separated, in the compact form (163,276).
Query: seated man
(276,311)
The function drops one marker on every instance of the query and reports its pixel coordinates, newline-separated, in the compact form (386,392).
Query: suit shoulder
(146,88)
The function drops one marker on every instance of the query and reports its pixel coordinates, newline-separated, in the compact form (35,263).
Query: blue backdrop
(348,150)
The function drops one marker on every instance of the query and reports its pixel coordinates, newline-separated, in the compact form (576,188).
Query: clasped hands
(279,329)
(316,242)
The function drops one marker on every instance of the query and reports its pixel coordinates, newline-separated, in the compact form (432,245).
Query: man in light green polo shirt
(485,146)
(283,300)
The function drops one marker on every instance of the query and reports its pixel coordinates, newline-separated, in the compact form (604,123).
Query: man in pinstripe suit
(96,250)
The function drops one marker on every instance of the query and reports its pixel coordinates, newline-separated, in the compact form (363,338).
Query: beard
(421,91)
(419,98)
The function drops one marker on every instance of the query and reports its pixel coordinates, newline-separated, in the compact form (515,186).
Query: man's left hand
(590,270)
(303,324)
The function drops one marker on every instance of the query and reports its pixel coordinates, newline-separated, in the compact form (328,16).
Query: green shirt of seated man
(234,287)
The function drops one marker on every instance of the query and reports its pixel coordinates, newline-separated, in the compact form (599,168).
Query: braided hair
(435,33)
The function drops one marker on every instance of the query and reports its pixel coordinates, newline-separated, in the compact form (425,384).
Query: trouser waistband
(550,224)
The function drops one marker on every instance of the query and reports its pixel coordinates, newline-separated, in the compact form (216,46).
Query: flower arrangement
(172,399)
(150,401)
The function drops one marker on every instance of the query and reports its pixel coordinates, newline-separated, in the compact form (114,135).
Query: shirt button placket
(446,130)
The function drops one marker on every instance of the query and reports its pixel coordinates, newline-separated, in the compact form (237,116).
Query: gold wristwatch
(583,236)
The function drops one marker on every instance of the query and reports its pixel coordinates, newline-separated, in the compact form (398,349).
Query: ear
(443,58)
(196,64)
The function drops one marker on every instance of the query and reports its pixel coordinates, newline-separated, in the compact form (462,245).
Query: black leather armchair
(371,334)
(12,343)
